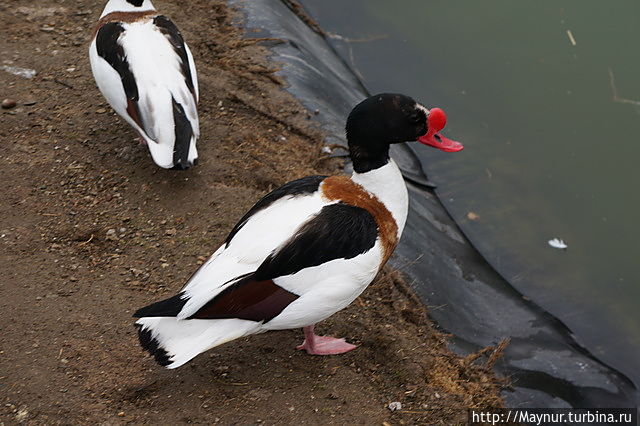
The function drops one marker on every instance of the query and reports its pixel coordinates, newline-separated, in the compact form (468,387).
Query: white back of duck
(146,72)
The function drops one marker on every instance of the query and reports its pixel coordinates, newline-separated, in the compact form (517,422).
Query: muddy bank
(91,230)
(548,368)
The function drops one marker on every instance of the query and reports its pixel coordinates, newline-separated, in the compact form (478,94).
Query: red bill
(436,120)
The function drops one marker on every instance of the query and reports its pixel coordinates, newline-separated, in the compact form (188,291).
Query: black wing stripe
(183,135)
(339,231)
(304,186)
(111,51)
(172,33)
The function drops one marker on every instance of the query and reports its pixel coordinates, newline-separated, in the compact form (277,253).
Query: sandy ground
(91,229)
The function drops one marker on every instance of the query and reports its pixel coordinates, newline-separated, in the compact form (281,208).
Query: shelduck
(146,72)
(305,250)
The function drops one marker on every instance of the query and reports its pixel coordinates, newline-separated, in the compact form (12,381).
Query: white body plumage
(142,55)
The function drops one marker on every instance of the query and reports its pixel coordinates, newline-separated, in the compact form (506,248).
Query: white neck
(124,6)
(387,184)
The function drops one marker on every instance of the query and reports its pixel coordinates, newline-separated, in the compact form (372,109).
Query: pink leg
(141,141)
(323,345)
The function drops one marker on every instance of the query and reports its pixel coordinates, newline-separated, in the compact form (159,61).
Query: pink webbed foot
(323,345)
(141,141)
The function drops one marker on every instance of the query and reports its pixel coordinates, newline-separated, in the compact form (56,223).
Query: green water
(549,152)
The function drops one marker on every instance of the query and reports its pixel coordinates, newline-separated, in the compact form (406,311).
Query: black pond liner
(466,296)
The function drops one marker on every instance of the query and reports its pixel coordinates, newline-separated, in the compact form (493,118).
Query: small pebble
(395,406)
(8,104)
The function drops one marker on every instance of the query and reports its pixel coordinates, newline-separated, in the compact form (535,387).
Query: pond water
(546,98)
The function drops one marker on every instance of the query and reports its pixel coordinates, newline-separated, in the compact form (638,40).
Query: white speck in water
(556,243)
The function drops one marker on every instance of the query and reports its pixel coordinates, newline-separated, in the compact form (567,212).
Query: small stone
(121,414)
(395,406)
(8,104)
(171,232)
(22,415)
(101,111)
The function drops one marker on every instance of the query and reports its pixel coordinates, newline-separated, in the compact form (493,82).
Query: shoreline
(92,230)
(547,366)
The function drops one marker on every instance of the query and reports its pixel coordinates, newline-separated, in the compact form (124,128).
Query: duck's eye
(415,117)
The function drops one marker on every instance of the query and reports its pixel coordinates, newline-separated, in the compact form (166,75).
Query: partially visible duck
(305,250)
(146,72)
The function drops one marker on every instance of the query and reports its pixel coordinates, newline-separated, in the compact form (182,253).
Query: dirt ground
(91,230)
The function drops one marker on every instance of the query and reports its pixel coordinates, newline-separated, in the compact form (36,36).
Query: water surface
(549,152)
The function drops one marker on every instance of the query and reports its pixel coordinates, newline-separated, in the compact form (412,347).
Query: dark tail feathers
(184,134)
(170,307)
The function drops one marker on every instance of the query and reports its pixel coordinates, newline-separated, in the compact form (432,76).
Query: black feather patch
(112,51)
(152,346)
(306,185)
(339,231)
(170,307)
(184,133)
(172,33)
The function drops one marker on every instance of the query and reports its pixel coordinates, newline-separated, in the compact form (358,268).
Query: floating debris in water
(571,38)
(19,71)
(473,216)
(559,244)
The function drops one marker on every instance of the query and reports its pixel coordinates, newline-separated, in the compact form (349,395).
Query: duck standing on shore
(146,72)
(305,250)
